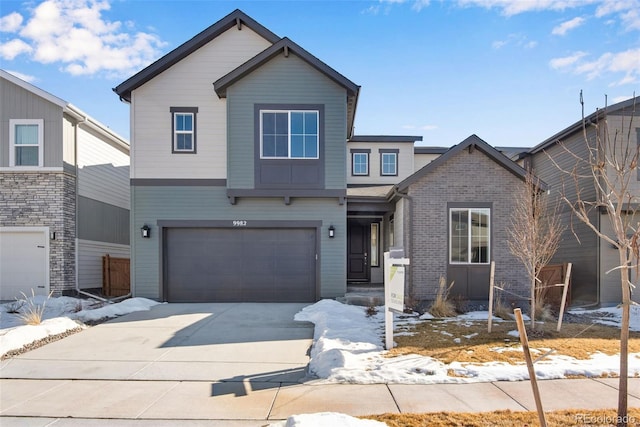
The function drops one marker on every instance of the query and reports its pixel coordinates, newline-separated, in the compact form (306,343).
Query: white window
(389,163)
(289,134)
(469,236)
(183,129)
(26,142)
(360,163)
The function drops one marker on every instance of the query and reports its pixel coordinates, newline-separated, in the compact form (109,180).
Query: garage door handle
(40,246)
(41,287)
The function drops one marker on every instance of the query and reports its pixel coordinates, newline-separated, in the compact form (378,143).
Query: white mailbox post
(394,263)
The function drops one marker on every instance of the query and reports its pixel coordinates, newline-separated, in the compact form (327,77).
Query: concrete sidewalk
(232,365)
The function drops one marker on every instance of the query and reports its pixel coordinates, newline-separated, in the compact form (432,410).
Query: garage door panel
(23,263)
(262,265)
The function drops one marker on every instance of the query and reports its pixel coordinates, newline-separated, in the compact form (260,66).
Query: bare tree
(612,167)
(534,235)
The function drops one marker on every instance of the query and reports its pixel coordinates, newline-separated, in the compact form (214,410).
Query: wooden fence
(116,281)
(552,275)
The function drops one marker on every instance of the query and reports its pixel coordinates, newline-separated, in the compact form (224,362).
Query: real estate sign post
(394,263)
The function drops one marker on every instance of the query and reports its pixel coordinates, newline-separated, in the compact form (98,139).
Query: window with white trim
(469,235)
(360,163)
(289,134)
(26,142)
(183,129)
(388,162)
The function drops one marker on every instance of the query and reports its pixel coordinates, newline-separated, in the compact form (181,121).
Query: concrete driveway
(182,342)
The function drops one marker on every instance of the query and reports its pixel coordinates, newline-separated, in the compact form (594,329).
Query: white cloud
(628,12)
(626,63)
(567,26)
(511,7)
(566,61)
(519,40)
(13,48)
(421,127)
(10,22)
(76,34)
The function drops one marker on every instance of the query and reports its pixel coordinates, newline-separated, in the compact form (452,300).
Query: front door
(358,243)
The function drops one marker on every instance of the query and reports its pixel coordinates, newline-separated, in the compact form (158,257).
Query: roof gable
(471,143)
(33,89)
(236,18)
(629,105)
(287,47)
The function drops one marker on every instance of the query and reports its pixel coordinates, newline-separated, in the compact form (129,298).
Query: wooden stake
(532,373)
(567,276)
(491,276)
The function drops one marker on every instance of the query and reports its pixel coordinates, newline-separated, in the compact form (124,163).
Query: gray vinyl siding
(285,81)
(151,204)
(102,222)
(579,244)
(18,103)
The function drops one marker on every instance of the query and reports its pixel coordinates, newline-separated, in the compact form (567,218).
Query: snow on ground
(348,348)
(59,315)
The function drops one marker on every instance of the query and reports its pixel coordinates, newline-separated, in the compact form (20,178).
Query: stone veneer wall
(44,199)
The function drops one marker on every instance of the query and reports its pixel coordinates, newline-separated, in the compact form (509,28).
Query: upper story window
(388,162)
(183,129)
(469,236)
(360,162)
(26,142)
(289,134)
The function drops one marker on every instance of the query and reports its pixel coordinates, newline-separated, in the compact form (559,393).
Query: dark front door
(358,243)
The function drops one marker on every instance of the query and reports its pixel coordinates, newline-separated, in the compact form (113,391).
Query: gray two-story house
(248,184)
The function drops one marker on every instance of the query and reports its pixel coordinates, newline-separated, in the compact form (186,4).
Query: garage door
(23,263)
(231,265)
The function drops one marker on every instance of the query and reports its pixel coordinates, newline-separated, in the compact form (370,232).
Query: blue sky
(509,71)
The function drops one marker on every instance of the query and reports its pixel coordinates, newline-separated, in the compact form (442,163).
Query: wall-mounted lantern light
(332,232)
(145,231)
(52,235)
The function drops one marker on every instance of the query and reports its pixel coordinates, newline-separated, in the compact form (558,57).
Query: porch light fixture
(52,235)
(332,232)
(145,231)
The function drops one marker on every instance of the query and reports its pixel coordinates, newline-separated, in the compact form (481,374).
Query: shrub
(442,306)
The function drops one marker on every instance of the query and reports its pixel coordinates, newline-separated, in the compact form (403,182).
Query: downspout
(409,235)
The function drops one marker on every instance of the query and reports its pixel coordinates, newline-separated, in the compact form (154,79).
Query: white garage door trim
(45,232)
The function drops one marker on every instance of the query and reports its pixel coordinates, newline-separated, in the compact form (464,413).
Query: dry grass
(442,306)
(435,339)
(506,419)
(31,313)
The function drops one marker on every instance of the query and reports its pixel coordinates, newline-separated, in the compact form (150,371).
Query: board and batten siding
(583,251)
(189,83)
(90,255)
(211,203)
(19,103)
(285,80)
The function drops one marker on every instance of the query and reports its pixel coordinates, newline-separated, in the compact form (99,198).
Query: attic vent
(238,24)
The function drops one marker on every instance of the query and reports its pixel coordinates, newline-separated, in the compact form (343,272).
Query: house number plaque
(239,223)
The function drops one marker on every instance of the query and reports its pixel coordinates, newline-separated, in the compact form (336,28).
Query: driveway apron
(179,342)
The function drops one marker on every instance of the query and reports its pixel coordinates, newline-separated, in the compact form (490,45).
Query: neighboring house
(64,193)
(248,184)
(592,259)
